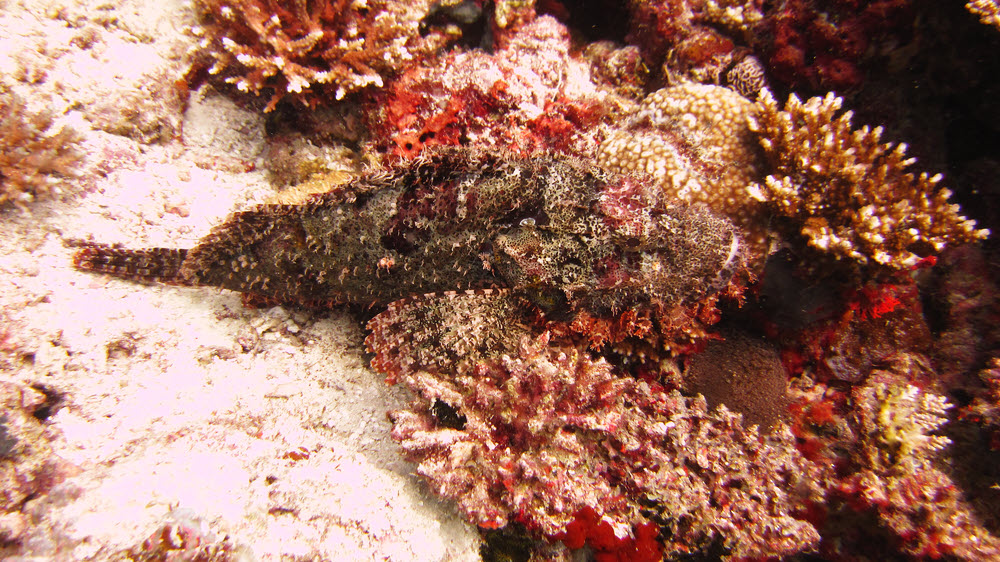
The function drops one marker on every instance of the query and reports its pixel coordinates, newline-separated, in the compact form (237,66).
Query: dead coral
(33,156)
(313,51)
(848,193)
(694,141)
(532,95)
(987,10)
(710,478)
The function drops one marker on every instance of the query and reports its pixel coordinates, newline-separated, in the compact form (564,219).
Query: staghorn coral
(33,156)
(987,10)
(848,193)
(527,429)
(693,140)
(313,51)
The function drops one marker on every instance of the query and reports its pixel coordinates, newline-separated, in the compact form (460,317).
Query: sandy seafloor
(178,405)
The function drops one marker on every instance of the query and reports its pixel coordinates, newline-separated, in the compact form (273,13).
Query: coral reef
(312,51)
(819,46)
(33,156)
(694,141)
(848,193)
(529,96)
(987,10)
(898,478)
(636,306)
(547,436)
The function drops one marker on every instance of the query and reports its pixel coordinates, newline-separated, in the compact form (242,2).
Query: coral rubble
(28,466)
(33,154)
(847,192)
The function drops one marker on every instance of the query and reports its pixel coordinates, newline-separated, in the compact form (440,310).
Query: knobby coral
(694,141)
(33,156)
(847,192)
(526,428)
(317,50)
(987,10)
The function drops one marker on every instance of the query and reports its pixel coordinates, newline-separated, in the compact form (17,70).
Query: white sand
(180,405)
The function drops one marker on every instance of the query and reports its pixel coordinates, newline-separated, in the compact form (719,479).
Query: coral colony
(643,308)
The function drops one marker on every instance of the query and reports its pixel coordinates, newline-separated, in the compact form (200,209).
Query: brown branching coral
(847,192)
(313,50)
(987,10)
(526,429)
(33,157)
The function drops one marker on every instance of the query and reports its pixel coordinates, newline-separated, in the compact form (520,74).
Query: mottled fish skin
(559,230)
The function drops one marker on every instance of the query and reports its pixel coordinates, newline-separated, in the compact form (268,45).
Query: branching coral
(525,428)
(987,10)
(848,193)
(33,157)
(324,49)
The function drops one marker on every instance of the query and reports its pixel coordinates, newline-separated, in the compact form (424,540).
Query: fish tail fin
(162,265)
